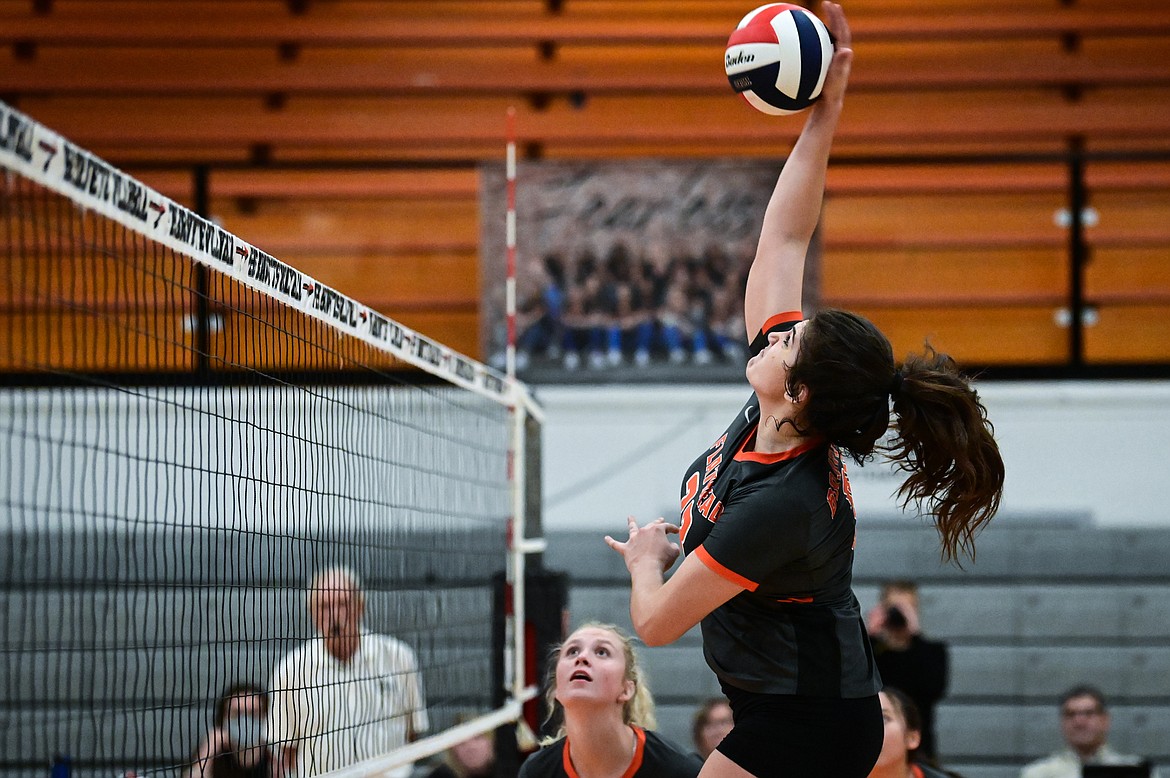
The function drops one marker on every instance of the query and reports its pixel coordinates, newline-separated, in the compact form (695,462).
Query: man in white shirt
(348,694)
(1084,721)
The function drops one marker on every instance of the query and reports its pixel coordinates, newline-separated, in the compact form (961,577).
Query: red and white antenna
(510,245)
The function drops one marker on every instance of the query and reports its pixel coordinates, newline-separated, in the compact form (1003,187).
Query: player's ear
(628,689)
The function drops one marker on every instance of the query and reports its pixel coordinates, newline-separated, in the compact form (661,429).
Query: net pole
(510,243)
(520,545)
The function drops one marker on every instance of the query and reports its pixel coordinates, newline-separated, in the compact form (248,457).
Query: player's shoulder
(548,761)
(664,758)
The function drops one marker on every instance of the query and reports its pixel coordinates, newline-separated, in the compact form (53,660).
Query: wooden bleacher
(427,85)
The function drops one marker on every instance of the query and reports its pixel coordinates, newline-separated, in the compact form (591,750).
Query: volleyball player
(608,712)
(767,518)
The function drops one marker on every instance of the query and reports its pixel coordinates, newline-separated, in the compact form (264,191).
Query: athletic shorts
(791,736)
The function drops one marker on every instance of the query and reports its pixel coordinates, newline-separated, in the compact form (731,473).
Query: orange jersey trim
(799,600)
(781,318)
(771,459)
(721,571)
(631,771)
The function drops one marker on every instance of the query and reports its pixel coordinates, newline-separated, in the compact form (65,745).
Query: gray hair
(341,571)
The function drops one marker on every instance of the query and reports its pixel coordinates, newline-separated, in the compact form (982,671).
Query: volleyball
(777,58)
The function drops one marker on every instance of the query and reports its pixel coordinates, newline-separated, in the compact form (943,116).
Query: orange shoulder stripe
(721,571)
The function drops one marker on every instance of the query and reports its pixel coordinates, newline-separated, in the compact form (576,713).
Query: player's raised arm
(777,272)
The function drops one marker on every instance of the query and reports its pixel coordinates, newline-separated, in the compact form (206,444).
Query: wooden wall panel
(201,22)
(591,68)
(1129,333)
(900,277)
(972,220)
(362,227)
(123,127)
(1012,335)
(286,340)
(89,281)
(1129,274)
(427,85)
(144,340)
(441,280)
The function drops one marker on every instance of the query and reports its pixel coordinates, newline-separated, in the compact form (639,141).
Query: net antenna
(191,432)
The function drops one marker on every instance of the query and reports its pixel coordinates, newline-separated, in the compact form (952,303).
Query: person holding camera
(906,659)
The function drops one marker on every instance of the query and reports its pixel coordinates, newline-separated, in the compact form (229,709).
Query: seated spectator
(596,683)
(582,331)
(235,746)
(471,758)
(903,736)
(348,694)
(713,720)
(683,318)
(539,318)
(906,659)
(1084,722)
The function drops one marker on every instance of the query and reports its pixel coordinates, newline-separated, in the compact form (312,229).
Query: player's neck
(600,746)
(777,431)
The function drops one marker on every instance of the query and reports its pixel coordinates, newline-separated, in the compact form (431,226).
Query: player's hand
(647,545)
(833,91)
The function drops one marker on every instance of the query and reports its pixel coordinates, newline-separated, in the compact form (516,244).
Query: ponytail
(943,439)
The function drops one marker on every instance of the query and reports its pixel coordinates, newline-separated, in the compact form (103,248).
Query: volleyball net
(218,472)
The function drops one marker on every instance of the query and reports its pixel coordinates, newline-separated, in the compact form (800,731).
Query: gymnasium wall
(1095,451)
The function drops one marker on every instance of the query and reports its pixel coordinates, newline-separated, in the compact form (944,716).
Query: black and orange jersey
(782,526)
(653,756)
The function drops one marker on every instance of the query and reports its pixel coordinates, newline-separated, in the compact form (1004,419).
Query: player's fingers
(672,529)
(837,23)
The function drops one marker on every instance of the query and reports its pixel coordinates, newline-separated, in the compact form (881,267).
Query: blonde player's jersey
(781,526)
(653,757)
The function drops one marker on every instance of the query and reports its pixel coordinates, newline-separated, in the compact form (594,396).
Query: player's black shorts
(790,736)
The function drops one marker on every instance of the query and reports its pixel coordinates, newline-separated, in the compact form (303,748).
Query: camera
(895,618)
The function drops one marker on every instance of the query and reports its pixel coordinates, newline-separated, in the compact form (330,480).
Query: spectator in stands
(235,745)
(348,694)
(1084,722)
(903,738)
(540,317)
(713,720)
(471,758)
(595,682)
(907,660)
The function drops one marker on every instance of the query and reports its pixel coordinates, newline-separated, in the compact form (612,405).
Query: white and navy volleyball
(777,58)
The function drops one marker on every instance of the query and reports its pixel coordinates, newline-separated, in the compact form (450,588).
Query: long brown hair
(942,436)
